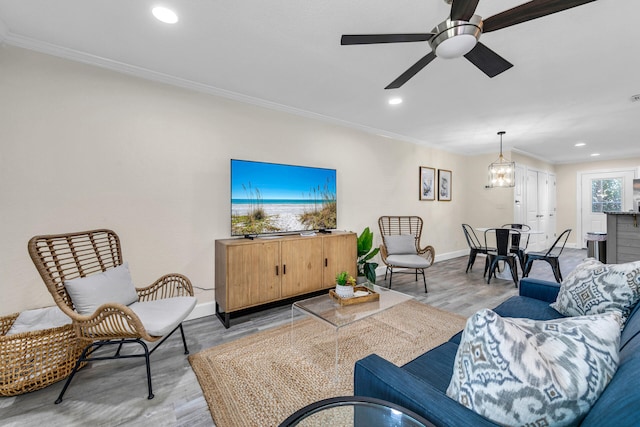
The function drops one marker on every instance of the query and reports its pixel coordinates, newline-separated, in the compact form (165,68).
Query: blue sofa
(421,384)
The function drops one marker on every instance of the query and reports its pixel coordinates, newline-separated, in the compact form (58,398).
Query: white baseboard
(451,255)
(209,308)
(202,310)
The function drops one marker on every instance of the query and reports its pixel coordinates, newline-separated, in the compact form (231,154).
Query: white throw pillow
(401,244)
(114,285)
(527,372)
(39,319)
(594,287)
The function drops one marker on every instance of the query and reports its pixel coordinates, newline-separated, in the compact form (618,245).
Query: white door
(540,208)
(519,214)
(601,192)
(533,217)
(543,211)
(551,226)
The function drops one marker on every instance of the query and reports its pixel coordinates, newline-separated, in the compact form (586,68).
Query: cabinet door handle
(277,272)
(284,269)
(326,262)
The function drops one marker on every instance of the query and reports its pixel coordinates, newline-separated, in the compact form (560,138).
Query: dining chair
(501,253)
(475,246)
(516,244)
(551,256)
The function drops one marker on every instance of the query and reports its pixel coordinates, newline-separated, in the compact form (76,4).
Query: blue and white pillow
(594,287)
(526,372)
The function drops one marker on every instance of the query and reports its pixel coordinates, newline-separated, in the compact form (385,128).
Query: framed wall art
(427,184)
(444,185)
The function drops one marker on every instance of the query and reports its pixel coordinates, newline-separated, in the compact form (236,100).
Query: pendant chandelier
(502,172)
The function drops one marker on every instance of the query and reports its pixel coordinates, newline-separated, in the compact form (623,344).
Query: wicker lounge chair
(401,246)
(77,265)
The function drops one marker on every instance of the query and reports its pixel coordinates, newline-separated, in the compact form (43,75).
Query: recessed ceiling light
(580,144)
(395,101)
(595,154)
(165,15)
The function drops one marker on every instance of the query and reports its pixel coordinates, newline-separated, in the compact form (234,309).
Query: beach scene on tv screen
(274,198)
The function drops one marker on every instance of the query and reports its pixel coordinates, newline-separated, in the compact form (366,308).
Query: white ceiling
(573,77)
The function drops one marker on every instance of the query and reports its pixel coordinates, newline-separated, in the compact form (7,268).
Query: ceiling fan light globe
(454,39)
(455,47)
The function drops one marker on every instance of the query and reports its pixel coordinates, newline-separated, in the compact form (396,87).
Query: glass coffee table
(348,411)
(328,311)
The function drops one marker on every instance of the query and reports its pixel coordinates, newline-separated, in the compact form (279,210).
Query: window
(606,195)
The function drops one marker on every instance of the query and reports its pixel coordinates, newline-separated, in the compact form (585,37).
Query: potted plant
(344,285)
(366,268)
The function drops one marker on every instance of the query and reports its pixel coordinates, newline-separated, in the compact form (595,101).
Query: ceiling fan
(459,35)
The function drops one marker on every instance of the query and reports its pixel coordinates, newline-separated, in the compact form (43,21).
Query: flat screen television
(273,198)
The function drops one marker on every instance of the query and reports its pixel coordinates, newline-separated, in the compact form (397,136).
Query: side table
(348,411)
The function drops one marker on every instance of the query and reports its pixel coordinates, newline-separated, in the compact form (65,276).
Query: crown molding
(533,156)
(146,74)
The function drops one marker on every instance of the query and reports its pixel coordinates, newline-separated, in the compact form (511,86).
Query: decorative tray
(372,296)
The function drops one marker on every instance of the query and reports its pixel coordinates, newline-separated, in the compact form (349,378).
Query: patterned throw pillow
(594,287)
(526,372)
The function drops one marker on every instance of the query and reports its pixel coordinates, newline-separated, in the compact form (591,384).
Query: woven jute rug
(260,380)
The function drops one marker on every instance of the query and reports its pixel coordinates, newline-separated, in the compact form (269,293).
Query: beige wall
(485,207)
(567,186)
(567,177)
(532,163)
(83,147)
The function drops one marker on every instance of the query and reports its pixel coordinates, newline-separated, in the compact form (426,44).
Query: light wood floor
(113,393)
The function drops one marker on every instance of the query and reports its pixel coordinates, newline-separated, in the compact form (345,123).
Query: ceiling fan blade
(412,71)
(487,60)
(528,11)
(463,10)
(348,39)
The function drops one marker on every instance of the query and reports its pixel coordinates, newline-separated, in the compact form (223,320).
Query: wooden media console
(251,273)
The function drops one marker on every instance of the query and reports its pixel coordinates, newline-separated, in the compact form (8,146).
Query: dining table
(483,229)
(506,271)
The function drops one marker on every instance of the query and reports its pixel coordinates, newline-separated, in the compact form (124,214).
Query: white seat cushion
(114,286)
(161,316)
(39,319)
(408,261)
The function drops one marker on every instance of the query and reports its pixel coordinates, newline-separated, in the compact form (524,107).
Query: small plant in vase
(344,285)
